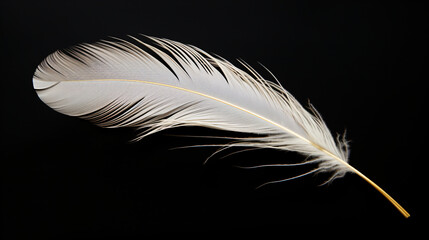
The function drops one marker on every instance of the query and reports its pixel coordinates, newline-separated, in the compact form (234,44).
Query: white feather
(120,84)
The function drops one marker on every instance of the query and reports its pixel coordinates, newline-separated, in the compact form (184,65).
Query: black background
(360,63)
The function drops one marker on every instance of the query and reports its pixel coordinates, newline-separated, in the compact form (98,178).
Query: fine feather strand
(168,84)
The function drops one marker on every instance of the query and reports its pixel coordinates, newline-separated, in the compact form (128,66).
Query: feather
(168,84)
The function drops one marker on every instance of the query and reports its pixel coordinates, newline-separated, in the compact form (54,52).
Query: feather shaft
(380,190)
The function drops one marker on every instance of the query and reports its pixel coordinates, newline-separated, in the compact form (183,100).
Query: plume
(165,84)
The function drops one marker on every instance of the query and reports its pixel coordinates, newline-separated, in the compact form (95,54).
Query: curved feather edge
(168,84)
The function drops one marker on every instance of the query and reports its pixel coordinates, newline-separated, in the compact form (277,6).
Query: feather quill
(168,84)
